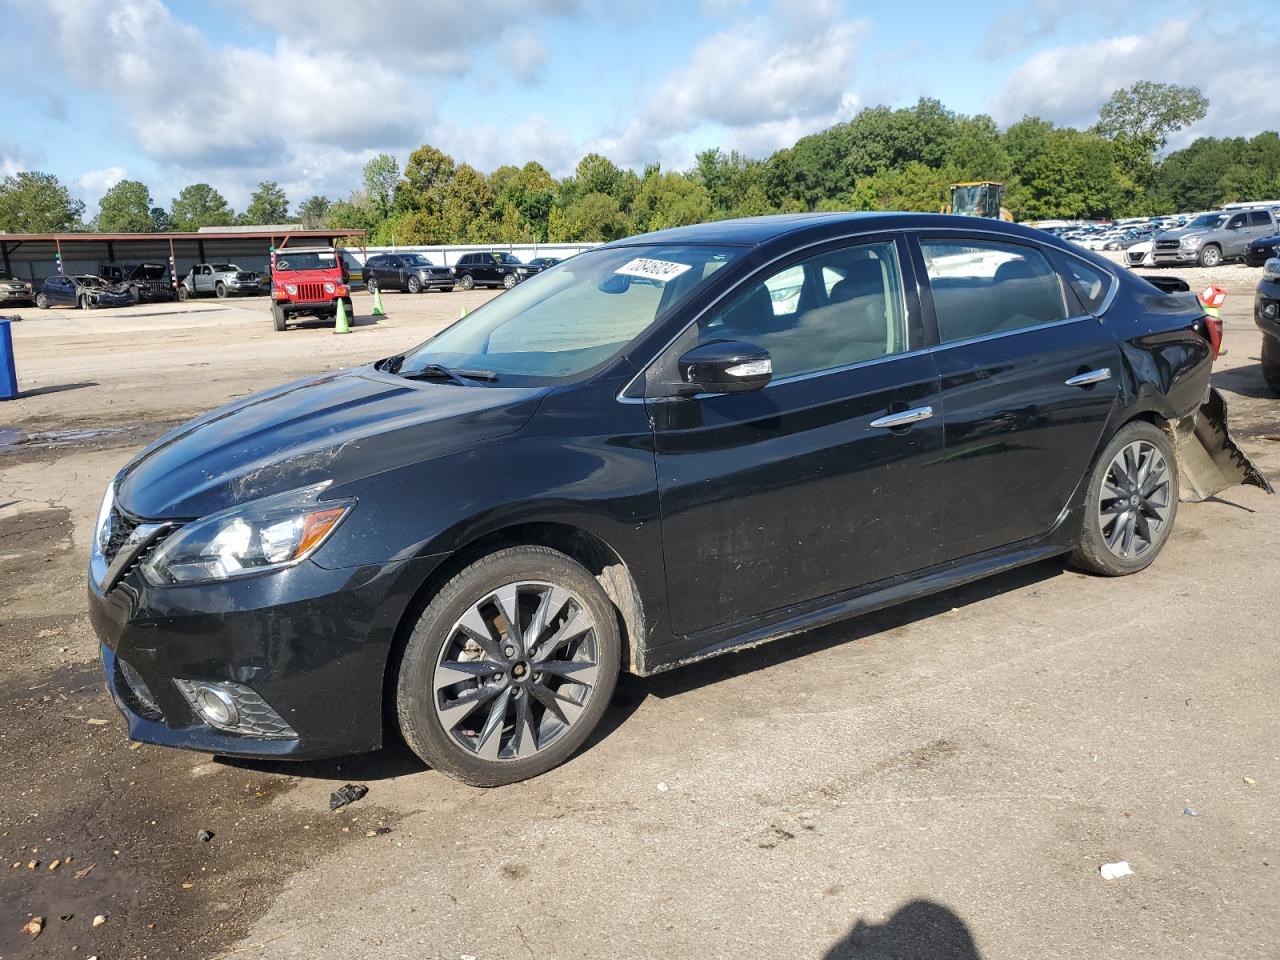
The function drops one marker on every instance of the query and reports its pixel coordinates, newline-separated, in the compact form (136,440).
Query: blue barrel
(8,375)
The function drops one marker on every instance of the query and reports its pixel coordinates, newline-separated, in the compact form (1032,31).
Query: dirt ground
(939,780)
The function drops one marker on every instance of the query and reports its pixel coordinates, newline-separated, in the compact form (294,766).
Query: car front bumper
(303,650)
(321,307)
(16,296)
(1176,256)
(1268,293)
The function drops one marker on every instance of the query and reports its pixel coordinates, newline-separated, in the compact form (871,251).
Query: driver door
(824,479)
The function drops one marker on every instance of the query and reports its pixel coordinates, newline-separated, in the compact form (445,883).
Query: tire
(42,301)
(1271,363)
(1106,547)
(517,692)
(1210,255)
(413,285)
(371,285)
(509,281)
(86,303)
(468,282)
(220,291)
(135,295)
(280,318)
(183,294)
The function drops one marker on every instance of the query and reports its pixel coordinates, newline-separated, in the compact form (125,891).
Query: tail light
(1213,328)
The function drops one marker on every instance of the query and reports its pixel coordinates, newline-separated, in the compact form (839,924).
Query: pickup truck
(1213,237)
(218,279)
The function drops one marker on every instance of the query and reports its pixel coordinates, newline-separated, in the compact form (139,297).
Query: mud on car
(662,449)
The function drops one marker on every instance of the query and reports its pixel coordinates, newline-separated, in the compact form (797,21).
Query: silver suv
(1213,237)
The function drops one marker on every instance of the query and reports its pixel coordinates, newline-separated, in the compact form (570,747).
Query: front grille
(1167,244)
(311,291)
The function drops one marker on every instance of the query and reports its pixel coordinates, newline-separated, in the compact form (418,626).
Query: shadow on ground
(920,930)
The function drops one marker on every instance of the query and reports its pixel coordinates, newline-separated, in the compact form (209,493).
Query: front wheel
(42,301)
(86,303)
(183,293)
(468,281)
(220,291)
(1131,502)
(509,668)
(509,281)
(278,315)
(371,285)
(1271,363)
(414,285)
(1210,255)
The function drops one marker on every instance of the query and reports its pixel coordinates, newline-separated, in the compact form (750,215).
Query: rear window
(982,288)
(1259,218)
(1091,284)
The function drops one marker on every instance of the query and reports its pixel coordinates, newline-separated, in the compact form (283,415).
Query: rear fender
(1209,460)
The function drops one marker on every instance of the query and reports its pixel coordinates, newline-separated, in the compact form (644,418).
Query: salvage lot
(956,768)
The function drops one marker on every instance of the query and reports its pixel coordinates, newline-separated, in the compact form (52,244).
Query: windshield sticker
(660,270)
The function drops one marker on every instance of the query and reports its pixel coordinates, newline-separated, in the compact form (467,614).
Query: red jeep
(307,281)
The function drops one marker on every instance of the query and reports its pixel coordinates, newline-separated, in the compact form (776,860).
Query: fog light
(1271,310)
(215,705)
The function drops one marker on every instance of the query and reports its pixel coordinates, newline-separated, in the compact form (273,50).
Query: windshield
(416,260)
(308,260)
(1210,221)
(564,322)
(506,258)
(225,268)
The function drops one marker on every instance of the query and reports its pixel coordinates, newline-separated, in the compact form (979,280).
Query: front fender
(1209,460)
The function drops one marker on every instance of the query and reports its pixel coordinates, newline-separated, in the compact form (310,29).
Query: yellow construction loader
(978,199)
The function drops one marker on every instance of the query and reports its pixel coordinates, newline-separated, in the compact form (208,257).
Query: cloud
(97,182)
(1068,84)
(487,147)
(16,157)
(526,56)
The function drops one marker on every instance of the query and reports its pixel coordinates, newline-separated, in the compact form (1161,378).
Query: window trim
(914,328)
(1069,297)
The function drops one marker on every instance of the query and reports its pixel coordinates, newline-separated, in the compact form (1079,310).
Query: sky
(304,92)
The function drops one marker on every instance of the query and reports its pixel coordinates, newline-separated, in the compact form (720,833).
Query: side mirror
(725,366)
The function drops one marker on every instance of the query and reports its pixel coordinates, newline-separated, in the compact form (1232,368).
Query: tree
(161,222)
(354,213)
(381,174)
(514,228)
(467,213)
(670,200)
(125,208)
(313,211)
(426,174)
(268,204)
(32,202)
(595,218)
(199,205)
(1149,112)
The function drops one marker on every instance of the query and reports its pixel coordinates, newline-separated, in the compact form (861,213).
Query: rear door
(1029,380)
(823,480)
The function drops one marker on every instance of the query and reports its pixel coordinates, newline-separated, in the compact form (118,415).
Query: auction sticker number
(660,270)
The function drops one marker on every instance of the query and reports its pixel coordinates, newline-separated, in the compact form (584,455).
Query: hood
(340,427)
(1180,232)
(1266,241)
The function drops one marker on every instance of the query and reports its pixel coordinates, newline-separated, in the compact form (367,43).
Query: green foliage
(125,208)
(1212,171)
(596,217)
(467,211)
(268,204)
(426,174)
(1149,112)
(33,202)
(313,211)
(381,174)
(161,222)
(199,205)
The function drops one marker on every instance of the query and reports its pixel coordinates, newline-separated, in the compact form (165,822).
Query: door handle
(902,418)
(1089,378)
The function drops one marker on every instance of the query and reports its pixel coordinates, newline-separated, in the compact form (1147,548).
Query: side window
(837,308)
(1236,222)
(980,288)
(1258,218)
(1090,283)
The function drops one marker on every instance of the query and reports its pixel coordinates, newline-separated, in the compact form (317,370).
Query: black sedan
(86,292)
(666,448)
(1262,250)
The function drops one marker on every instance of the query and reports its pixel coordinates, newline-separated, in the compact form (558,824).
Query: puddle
(14,437)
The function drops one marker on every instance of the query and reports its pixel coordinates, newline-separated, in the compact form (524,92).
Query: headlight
(264,535)
(1192,242)
(102,528)
(522,269)
(291,289)
(329,288)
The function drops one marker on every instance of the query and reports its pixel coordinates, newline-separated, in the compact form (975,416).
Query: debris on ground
(81,874)
(204,836)
(348,794)
(97,722)
(379,832)
(55,865)
(1190,812)
(33,927)
(1249,781)
(1114,871)
(99,920)
(663,788)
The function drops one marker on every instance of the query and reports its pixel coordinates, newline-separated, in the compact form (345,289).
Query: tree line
(881,159)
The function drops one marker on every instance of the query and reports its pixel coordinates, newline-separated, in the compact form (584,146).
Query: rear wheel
(414,285)
(1270,363)
(42,301)
(1131,502)
(509,668)
(278,315)
(1210,255)
(509,280)
(468,281)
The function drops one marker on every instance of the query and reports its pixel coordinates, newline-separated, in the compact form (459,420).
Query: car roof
(753,231)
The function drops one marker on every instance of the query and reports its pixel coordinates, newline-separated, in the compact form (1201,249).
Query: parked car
(13,290)
(1266,314)
(638,460)
(218,280)
(492,269)
(410,272)
(1212,238)
(1140,254)
(1262,250)
(544,263)
(144,282)
(308,282)
(85,292)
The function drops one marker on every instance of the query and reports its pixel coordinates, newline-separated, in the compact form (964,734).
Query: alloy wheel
(516,671)
(1134,505)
